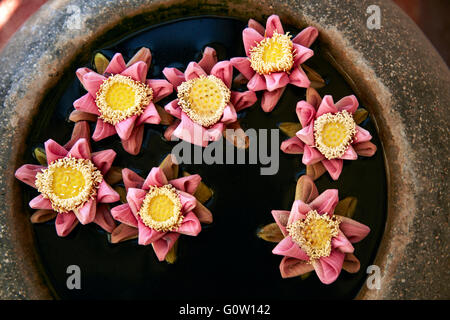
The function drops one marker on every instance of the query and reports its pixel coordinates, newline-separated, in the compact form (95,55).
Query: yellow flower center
(204,99)
(274,54)
(161,209)
(333,133)
(314,234)
(121,97)
(69,183)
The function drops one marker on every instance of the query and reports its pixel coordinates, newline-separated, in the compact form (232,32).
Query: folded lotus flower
(71,186)
(122,99)
(329,133)
(314,237)
(274,59)
(159,209)
(205,103)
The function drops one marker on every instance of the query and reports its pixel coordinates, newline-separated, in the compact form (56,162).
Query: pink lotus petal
(348,103)
(125,127)
(329,268)
(168,134)
(188,201)
(292,146)
(137,71)
(80,130)
(116,65)
(257,83)
(305,112)
(133,144)
(214,133)
(191,132)
(161,88)
(298,211)
(242,64)
(203,214)
(104,219)
(281,218)
(135,197)
(301,54)
(257,26)
(123,213)
(242,100)
(292,267)
(148,235)
(273,24)
(175,76)
(194,71)
(40,202)
(103,160)
(173,109)
(86,214)
(187,184)
(270,99)
(123,232)
(106,194)
(81,72)
(156,178)
(365,149)
(163,245)
(65,223)
(27,173)
(327,106)
(306,37)
(276,80)
(103,130)
(349,154)
(325,202)
(92,82)
(229,114)
(80,150)
(86,104)
(224,71)
(190,225)
(209,59)
(54,151)
(251,38)
(342,243)
(306,134)
(299,78)
(334,167)
(131,179)
(353,230)
(362,135)
(311,155)
(288,248)
(150,115)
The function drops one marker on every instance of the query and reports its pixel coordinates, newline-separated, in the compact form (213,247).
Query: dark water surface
(226,260)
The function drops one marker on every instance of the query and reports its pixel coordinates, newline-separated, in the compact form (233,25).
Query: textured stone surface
(395,70)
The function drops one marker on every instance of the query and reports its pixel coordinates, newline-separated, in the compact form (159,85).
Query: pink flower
(274,80)
(128,123)
(94,208)
(191,126)
(315,239)
(138,213)
(329,145)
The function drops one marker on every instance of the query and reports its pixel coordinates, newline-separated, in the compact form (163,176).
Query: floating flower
(328,134)
(274,59)
(122,99)
(314,238)
(71,186)
(205,104)
(160,208)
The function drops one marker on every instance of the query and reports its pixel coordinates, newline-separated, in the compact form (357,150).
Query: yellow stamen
(204,99)
(69,183)
(274,54)
(333,133)
(314,234)
(121,97)
(161,209)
